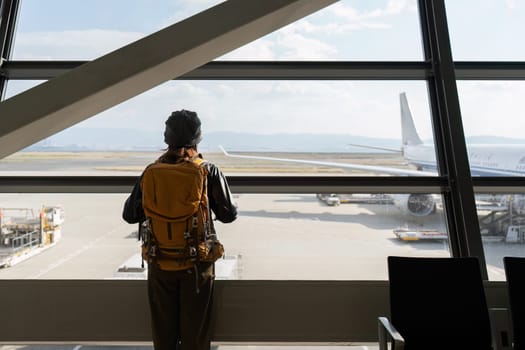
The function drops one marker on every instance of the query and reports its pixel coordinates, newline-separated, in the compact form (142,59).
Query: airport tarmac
(132,163)
(277,236)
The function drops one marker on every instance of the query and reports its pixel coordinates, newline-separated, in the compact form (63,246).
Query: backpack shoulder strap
(197,159)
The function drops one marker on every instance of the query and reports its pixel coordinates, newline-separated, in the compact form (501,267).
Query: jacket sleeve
(219,195)
(133,212)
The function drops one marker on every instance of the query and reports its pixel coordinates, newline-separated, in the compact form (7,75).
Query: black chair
(436,303)
(515,272)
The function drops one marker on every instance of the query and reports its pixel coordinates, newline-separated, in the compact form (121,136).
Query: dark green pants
(180,306)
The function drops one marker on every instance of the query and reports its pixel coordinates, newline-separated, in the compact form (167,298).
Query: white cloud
(491,107)
(395,7)
(257,50)
(511,4)
(364,19)
(296,45)
(338,28)
(342,107)
(71,44)
(315,37)
(187,8)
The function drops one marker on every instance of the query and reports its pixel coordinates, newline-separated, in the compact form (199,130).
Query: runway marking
(72,255)
(77,347)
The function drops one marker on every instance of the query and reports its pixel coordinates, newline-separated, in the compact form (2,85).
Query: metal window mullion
(8,16)
(452,150)
(4,20)
(427,34)
(249,70)
(294,70)
(467,70)
(501,185)
(238,184)
(428,41)
(457,156)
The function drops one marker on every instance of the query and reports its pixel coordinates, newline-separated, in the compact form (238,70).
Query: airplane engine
(416,204)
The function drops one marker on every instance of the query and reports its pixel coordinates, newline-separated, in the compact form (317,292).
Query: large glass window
(276,236)
(347,30)
(492,121)
(277,127)
(493,124)
(66,30)
(486,30)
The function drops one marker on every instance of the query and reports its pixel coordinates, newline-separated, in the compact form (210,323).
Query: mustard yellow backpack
(179,231)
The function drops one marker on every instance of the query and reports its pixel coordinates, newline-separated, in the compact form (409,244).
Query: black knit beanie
(183,129)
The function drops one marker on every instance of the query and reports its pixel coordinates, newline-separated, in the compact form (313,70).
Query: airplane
(485,160)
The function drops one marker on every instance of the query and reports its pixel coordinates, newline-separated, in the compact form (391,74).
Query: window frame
(438,69)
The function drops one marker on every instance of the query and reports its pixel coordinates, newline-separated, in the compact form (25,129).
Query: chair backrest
(439,303)
(515,272)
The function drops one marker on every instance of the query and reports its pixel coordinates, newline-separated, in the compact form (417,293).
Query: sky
(348,30)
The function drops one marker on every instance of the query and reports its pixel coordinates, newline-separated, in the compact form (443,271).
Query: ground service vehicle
(24,233)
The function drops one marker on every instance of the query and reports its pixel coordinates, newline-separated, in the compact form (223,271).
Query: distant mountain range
(83,139)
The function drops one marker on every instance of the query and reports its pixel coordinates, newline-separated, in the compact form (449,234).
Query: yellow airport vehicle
(406,234)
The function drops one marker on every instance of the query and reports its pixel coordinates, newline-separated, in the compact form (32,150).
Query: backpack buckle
(195,222)
(193,251)
(152,251)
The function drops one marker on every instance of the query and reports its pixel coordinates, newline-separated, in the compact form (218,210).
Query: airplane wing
(368,168)
(377,148)
(409,137)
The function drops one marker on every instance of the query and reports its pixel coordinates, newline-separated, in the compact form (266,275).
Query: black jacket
(219,197)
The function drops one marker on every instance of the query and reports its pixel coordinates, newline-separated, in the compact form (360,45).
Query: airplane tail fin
(408,129)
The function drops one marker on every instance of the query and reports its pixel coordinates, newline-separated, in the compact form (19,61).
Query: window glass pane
(15,87)
(276,236)
(355,127)
(502,225)
(493,121)
(347,30)
(72,30)
(486,29)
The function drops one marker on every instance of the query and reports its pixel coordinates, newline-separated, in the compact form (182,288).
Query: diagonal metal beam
(169,53)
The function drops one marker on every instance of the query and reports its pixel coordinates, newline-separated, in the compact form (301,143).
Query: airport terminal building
(349,131)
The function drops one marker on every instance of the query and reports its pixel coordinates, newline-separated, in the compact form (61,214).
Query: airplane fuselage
(485,160)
